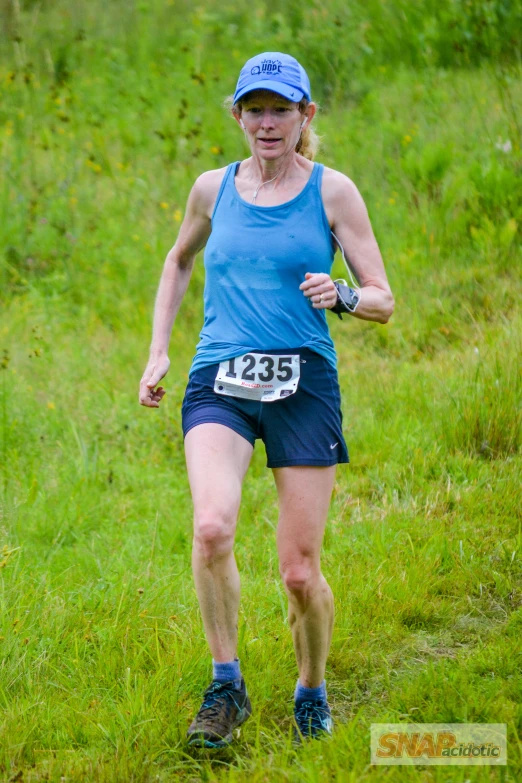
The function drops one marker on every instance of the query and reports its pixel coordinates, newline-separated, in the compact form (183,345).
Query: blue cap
(274,71)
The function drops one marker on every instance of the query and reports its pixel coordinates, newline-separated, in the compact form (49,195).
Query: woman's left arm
(349,219)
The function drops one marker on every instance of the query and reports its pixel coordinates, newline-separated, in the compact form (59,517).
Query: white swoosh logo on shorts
(334,445)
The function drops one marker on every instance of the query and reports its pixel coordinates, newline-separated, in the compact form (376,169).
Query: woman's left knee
(300,578)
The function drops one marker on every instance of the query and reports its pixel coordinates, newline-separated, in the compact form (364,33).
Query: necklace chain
(256,191)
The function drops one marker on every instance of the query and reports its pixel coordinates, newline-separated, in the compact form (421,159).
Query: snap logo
(268,67)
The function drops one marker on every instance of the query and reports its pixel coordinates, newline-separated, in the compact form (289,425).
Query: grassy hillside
(107,115)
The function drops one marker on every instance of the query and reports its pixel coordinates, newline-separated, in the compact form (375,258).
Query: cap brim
(288,92)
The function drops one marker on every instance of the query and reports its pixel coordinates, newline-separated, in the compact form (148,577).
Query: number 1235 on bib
(259,376)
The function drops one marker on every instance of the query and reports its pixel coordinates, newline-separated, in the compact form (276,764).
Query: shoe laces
(309,715)
(216,693)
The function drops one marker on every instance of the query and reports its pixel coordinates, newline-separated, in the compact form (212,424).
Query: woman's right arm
(177,270)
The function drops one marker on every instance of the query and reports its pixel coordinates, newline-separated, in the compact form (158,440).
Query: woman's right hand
(155,370)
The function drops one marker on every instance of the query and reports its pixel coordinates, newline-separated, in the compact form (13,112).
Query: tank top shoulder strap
(316,183)
(317,176)
(229,174)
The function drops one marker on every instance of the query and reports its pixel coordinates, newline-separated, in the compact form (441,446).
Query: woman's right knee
(213,534)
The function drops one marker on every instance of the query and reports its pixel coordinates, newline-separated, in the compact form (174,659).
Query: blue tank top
(255,260)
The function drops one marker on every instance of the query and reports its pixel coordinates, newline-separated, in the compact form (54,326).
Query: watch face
(356,297)
(347,298)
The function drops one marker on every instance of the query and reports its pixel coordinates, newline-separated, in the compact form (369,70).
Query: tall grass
(107,115)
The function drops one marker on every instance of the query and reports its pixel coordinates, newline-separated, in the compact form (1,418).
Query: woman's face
(272,124)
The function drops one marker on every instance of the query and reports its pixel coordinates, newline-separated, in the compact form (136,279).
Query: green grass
(106,117)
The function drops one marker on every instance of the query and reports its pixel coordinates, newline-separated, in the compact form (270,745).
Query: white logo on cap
(268,67)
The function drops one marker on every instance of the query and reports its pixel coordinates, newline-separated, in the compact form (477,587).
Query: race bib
(259,376)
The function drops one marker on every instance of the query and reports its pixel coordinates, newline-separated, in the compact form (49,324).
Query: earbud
(304,123)
(242,124)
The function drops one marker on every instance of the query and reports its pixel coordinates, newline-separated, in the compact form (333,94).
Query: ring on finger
(321,298)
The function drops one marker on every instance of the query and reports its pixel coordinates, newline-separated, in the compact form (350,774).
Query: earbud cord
(352,280)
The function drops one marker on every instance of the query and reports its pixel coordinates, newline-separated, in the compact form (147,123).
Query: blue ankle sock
(303,694)
(227,672)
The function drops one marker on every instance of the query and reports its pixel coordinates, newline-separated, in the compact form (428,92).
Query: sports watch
(347,298)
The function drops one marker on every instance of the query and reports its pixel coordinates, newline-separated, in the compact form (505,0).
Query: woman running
(265,367)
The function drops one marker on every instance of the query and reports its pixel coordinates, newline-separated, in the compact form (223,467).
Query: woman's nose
(267,119)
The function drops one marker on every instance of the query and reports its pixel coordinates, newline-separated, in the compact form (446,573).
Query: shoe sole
(197,741)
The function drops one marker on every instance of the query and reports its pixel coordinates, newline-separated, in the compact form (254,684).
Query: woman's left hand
(320,290)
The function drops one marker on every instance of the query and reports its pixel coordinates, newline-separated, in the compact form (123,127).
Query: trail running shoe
(224,708)
(312,719)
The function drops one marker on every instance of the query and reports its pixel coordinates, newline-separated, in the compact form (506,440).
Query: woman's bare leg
(217,460)
(304,499)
